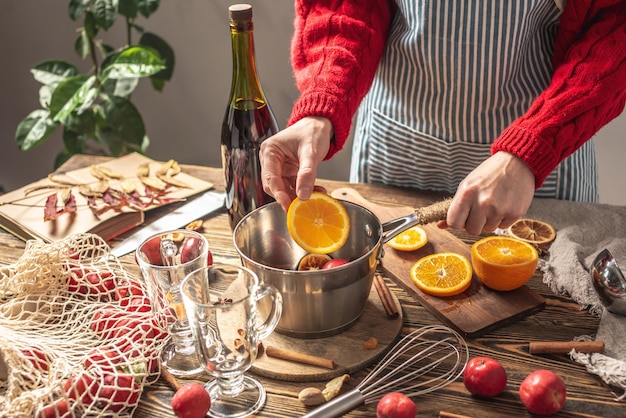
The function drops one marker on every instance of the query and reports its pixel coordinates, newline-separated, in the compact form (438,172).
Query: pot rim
(376,247)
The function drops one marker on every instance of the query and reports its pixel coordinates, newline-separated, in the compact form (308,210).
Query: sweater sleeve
(587,89)
(335,50)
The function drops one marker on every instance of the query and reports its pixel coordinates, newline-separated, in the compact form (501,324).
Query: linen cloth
(583,230)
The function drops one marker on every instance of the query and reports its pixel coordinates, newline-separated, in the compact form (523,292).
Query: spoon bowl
(609,282)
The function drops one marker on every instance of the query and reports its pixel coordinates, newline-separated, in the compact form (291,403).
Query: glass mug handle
(265,329)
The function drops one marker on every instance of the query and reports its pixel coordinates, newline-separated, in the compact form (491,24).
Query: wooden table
(561,320)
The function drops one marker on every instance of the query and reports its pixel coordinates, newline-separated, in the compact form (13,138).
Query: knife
(208,202)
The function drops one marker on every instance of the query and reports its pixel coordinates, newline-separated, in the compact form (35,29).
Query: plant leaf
(157,83)
(90,25)
(69,95)
(81,45)
(122,87)
(61,158)
(77,8)
(108,137)
(53,72)
(134,62)
(147,7)
(83,123)
(105,12)
(124,116)
(165,52)
(73,141)
(105,49)
(50,210)
(145,143)
(128,8)
(34,129)
(45,94)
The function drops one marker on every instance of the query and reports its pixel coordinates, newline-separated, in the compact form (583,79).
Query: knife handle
(434,212)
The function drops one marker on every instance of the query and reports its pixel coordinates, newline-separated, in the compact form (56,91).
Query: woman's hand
(494,195)
(289,159)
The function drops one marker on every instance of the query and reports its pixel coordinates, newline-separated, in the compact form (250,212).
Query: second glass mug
(221,304)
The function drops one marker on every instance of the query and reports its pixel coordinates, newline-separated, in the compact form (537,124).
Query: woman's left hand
(494,195)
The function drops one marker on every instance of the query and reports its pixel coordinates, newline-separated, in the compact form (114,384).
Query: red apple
(57,409)
(484,377)
(192,247)
(151,251)
(543,392)
(191,401)
(396,405)
(335,262)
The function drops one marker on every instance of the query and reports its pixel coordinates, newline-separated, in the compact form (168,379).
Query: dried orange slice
(410,240)
(442,274)
(503,263)
(319,224)
(313,262)
(532,231)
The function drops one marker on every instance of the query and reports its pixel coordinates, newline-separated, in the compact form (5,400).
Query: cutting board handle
(419,216)
(351,195)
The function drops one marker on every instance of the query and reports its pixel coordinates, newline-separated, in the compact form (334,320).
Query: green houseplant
(94,108)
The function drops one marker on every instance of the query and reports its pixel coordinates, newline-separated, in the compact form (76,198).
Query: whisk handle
(339,406)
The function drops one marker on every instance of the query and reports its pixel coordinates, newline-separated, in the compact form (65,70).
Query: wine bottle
(249,120)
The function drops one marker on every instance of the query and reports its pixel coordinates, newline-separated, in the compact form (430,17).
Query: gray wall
(183,121)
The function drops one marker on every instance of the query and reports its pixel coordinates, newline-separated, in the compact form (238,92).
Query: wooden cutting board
(472,313)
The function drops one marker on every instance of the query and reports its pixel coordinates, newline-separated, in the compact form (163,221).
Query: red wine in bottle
(249,120)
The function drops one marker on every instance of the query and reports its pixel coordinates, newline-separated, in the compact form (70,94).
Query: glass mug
(221,304)
(165,259)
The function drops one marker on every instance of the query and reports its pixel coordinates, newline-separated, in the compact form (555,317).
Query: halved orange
(532,231)
(319,224)
(412,239)
(503,263)
(442,274)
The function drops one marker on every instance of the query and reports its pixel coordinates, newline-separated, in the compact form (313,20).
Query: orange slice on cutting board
(503,263)
(410,240)
(442,274)
(319,224)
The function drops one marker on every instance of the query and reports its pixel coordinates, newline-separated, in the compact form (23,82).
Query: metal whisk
(423,361)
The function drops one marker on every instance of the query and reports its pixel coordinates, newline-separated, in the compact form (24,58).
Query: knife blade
(206,203)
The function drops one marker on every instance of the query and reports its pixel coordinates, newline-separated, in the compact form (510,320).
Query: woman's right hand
(289,159)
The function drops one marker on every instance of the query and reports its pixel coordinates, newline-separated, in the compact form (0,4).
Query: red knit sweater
(338,44)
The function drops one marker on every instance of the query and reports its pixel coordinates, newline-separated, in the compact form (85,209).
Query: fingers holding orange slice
(319,224)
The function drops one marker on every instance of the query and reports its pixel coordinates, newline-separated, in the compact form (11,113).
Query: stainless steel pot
(316,303)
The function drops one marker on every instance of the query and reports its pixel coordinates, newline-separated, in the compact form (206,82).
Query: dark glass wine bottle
(249,120)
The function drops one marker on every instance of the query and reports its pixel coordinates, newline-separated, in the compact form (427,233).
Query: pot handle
(398,226)
(421,216)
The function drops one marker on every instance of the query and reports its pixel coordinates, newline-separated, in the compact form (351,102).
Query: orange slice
(313,262)
(442,274)
(410,240)
(503,263)
(533,231)
(319,224)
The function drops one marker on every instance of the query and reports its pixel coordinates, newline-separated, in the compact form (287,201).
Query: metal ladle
(609,282)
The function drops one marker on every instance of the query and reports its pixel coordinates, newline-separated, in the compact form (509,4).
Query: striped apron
(453,76)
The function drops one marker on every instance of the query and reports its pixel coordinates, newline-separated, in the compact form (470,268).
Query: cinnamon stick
(391,309)
(444,414)
(171,381)
(284,354)
(564,347)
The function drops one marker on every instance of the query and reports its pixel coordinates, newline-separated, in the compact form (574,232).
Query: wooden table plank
(561,320)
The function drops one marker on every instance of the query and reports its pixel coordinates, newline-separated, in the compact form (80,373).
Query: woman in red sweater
(494,102)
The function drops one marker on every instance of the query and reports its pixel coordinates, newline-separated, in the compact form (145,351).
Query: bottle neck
(246,92)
